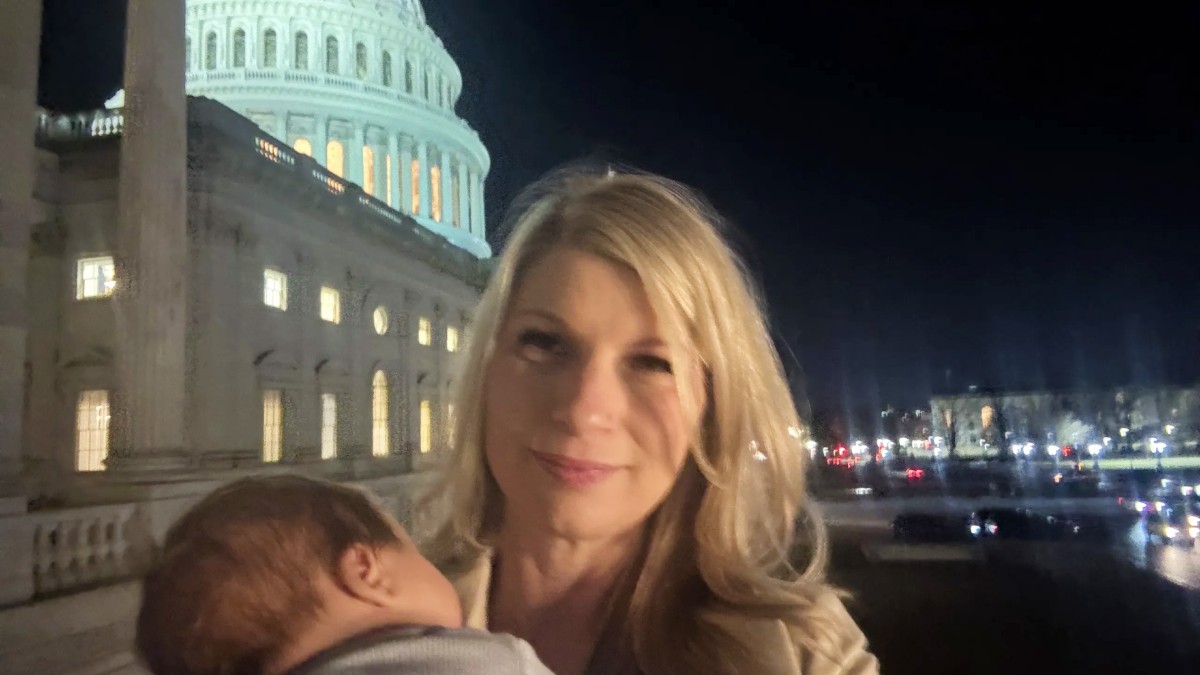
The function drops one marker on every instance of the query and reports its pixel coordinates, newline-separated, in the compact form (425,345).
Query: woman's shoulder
(823,640)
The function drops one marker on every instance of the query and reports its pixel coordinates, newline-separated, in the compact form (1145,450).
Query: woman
(625,481)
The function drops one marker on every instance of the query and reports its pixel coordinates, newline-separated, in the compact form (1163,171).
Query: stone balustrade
(75,548)
(57,127)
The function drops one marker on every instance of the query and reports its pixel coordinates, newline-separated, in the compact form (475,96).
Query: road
(1017,610)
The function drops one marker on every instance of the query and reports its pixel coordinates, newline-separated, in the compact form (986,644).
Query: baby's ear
(361,573)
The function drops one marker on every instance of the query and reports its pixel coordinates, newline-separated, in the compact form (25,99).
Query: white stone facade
(146,296)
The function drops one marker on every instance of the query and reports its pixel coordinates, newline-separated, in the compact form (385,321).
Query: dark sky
(1005,194)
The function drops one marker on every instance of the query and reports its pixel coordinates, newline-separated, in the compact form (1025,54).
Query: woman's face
(584,431)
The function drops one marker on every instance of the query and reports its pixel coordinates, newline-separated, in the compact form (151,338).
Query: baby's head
(266,572)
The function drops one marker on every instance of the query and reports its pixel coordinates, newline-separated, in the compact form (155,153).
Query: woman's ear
(362,573)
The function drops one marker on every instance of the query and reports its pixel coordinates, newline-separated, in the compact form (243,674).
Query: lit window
(331,55)
(426,426)
(408,77)
(450,424)
(987,414)
(301,61)
(451,339)
(275,289)
(387,69)
(331,305)
(435,192)
(210,51)
(91,430)
(360,61)
(328,426)
(95,278)
(239,48)
(335,158)
(270,58)
(272,425)
(387,165)
(369,170)
(379,415)
(424,331)
(303,146)
(415,187)
(381,320)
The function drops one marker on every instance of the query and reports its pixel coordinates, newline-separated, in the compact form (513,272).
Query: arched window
(379,415)
(368,170)
(210,51)
(270,59)
(435,192)
(331,55)
(239,48)
(303,146)
(408,77)
(335,158)
(360,61)
(415,185)
(387,69)
(187,54)
(301,52)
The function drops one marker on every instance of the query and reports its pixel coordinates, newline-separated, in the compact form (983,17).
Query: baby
(293,576)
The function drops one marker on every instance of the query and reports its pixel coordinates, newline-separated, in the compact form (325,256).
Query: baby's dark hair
(236,578)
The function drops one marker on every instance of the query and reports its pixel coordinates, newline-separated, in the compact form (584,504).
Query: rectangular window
(426,426)
(387,169)
(331,305)
(435,192)
(95,278)
(368,157)
(424,332)
(415,185)
(450,429)
(272,425)
(275,289)
(91,430)
(328,426)
(451,339)
(380,436)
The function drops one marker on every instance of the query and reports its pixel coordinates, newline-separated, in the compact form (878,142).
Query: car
(1174,527)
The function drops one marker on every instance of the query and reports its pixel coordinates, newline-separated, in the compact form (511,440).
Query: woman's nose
(591,399)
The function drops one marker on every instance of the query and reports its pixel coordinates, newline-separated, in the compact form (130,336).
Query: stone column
(20,33)
(405,172)
(480,222)
(447,193)
(381,177)
(321,140)
(393,151)
(464,192)
(423,167)
(151,302)
(354,156)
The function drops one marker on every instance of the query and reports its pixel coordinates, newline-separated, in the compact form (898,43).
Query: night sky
(1001,195)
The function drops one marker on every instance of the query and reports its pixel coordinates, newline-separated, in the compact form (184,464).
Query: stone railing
(74,548)
(57,127)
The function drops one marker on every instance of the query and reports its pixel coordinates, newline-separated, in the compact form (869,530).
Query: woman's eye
(537,342)
(654,364)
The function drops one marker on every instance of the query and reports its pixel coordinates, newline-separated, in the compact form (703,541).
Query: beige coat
(846,655)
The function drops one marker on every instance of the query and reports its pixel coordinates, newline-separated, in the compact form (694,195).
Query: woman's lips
(574,473)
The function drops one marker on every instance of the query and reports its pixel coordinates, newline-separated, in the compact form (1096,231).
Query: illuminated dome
(363,86)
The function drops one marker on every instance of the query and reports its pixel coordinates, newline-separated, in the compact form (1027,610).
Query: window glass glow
(331,305)
(424,332)
(381,320)
(451,339)
(303,146)
(435,192)
(415,186)
(275,289)
(335,158)
(426,426)
(368,154)
(272,425)
(95,278)
(91,430)
(379,415)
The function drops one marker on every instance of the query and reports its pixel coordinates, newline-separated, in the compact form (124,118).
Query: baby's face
(426,594)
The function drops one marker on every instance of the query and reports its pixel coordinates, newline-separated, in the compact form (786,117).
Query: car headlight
(1194,521)
(1140,505)
(1170,532)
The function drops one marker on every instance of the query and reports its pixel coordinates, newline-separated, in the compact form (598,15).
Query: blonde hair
(726,538)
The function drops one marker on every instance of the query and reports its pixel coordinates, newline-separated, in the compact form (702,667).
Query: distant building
(1104,422)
